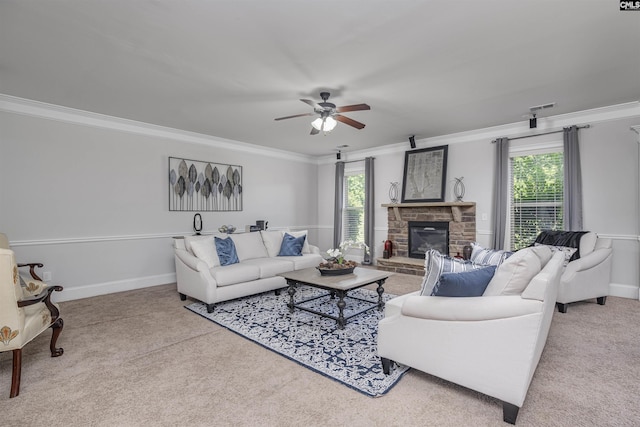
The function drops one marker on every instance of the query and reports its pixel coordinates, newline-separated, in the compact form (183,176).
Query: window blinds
(536,196)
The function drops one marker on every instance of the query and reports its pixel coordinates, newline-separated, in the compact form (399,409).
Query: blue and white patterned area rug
(346,355)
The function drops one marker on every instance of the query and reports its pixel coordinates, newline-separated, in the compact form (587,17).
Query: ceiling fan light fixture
(329,124)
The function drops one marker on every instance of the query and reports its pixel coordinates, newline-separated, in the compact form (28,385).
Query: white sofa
(491,344)
(200,275)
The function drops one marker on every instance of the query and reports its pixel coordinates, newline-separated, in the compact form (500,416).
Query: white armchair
(491,344)
(588,276)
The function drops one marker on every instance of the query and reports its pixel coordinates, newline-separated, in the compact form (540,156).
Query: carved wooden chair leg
(57,328)
(15,375)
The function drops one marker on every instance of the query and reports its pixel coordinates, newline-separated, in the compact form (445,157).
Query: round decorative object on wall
(393,192)
(458,189)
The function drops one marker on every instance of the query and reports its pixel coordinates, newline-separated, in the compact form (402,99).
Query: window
(353,213)
(536,200)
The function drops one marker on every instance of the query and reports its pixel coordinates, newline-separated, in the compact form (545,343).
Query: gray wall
(88,195)
(609,154)
(91,202)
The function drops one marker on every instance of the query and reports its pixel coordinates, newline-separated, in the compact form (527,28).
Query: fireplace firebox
(424,236)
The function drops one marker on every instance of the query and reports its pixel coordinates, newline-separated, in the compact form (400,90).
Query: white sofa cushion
(249,246)
(235,273)
(304,261)
(515,273)
(205,249)
(269,267)
(272,241)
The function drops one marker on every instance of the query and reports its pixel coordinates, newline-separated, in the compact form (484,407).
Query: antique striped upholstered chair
(25,312)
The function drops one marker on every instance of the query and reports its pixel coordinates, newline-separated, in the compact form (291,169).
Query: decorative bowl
(335,271)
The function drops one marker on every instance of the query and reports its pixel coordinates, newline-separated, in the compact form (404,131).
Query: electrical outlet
(46,276)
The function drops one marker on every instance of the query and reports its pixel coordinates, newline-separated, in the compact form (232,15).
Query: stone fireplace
(426,235)
(460,218)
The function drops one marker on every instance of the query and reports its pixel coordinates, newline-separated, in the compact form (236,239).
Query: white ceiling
(228,68)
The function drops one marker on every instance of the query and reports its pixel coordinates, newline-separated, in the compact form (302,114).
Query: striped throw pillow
(480,255)
(436,263)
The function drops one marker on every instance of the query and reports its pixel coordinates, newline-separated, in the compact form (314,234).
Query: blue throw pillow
(226,251)
(465,284)
(291,246)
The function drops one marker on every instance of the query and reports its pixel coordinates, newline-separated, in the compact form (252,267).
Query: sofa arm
(314,249)
(191,261)
(469,308)
(586,262)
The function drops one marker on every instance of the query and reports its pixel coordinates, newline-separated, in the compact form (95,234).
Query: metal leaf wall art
(204,186)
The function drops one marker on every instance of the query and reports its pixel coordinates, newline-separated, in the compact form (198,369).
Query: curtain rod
(353,161)
(544,133)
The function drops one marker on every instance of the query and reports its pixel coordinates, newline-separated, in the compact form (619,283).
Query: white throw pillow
(205,249)
(272,241)
(188,240)
(515,273)
(249,246)
(305,247)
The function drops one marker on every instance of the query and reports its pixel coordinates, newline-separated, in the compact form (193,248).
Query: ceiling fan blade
(314,104)
(356,107)
(314,131)
(297,115)
(348,121)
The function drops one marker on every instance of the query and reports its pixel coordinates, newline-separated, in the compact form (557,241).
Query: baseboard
(624,291)
(73,293)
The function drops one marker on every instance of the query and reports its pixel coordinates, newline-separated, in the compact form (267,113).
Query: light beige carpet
(139,358)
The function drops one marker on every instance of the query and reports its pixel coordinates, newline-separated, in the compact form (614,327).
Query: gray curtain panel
(500,192)
(572,181)
(338,205)
(369,209)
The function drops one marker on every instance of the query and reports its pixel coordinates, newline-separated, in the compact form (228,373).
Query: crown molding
(511,130)
(59,113)
(33,108)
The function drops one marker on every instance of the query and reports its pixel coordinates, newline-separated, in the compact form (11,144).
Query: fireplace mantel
(455,207)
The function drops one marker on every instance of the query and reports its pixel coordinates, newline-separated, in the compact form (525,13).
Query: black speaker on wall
(412,141)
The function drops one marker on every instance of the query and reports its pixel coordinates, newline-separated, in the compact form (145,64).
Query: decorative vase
(388,248)
(393,192)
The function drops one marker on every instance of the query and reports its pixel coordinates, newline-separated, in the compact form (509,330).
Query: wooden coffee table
(336,285)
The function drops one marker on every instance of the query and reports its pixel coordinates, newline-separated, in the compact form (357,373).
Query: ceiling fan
(329,114)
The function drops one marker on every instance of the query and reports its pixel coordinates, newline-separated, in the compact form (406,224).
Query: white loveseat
(199,273)
(491,344)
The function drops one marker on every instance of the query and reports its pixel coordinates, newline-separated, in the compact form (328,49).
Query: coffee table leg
(341,306)
(292,292)
(380,292)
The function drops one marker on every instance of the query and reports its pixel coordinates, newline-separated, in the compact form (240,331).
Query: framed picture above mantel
(425,174)
(204,186)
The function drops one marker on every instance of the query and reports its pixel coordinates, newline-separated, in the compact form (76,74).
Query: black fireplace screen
(424,236)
